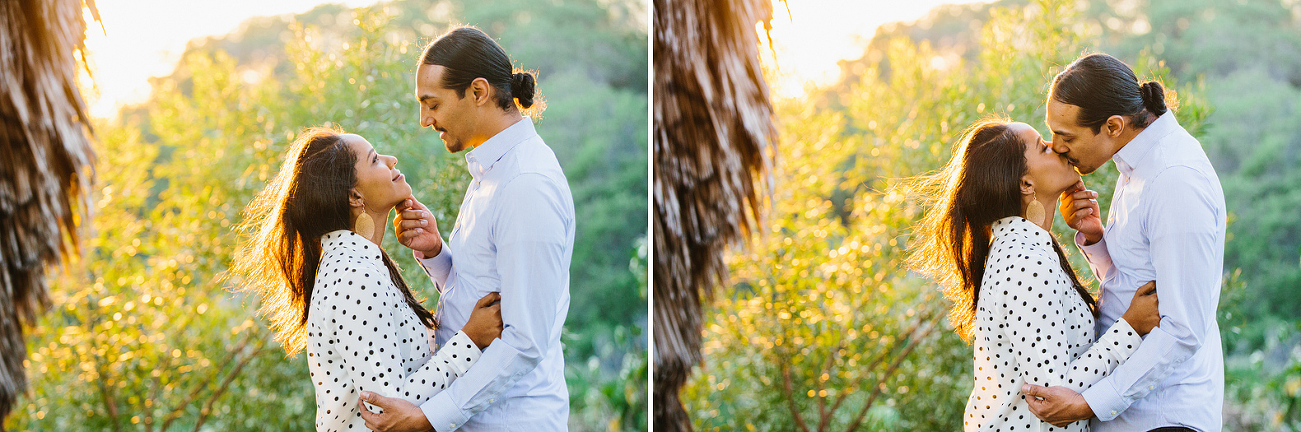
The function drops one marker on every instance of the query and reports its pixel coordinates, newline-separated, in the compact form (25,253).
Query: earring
(1035,212)
(365,225)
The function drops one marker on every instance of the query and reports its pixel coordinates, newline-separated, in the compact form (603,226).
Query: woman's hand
(1142,314)
(1079,207)
(485,322)
(416,228)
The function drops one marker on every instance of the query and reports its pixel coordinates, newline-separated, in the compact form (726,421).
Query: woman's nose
(392,161)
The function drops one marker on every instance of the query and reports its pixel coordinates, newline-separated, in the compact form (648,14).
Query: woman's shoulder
(1016,237)
(348,267)
(1020,254)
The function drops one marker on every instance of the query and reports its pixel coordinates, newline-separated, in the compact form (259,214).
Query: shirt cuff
(468,352)
(1105,400)
(1122,334)
(1095,253)
(442,413)
(436,267)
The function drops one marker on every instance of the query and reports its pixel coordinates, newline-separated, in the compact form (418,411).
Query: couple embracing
(316,257)
(1048,354)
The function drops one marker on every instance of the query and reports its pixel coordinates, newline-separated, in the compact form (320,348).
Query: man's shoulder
(533,166)
(1181,149)
(535,156)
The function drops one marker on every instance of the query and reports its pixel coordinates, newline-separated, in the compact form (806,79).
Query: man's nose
(1061,149)
(426,120)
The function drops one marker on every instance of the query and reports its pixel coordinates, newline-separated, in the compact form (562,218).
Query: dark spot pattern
(1033,328)
(359,342)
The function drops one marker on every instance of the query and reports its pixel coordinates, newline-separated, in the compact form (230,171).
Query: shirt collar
(1034,232)
(1136,151)
(482,158)
(351,241)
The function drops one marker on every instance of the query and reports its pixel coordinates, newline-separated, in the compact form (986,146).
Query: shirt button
(1151,387)
(492,400)
(1113,413)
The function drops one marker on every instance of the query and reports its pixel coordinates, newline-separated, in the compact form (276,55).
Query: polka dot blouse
(1033,327)
(363,336)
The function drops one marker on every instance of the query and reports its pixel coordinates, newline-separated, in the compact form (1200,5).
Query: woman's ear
(355,199)
(1027,185)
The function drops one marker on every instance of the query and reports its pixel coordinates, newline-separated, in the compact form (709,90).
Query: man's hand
(1058,406)
(1079,207)
(416,228)
(398,416)
(485,324)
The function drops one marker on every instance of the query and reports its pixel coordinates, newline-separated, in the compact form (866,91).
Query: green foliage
(145,333)
(825,328)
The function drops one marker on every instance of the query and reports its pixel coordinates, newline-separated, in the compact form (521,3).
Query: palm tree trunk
(714,139)
(45,165)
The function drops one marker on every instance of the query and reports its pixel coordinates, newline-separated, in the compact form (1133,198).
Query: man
(514,235)
(1166,223)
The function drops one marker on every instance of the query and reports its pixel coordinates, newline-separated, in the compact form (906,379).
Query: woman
(1014,293)
(328,287)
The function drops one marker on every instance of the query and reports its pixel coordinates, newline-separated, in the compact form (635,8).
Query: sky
(814,35)
(140,39)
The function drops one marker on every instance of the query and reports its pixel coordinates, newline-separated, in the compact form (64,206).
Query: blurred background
(193,106)
(823,328)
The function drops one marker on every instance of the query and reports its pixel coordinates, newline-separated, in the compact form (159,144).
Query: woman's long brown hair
(979,186)
(307,199)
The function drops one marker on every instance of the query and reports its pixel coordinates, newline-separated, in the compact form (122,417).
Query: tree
(826,328)
(714,137)
(45,166)
(148,335)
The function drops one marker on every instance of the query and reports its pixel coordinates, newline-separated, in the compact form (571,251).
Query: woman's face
(1046,170)
(379,182)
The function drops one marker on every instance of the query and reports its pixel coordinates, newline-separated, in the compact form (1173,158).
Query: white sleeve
(1029,292)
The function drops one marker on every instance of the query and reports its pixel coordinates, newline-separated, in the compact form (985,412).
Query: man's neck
(1130,132)
(497,123)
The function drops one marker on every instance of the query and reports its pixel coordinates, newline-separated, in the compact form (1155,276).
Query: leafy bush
(145,333)
(824,327)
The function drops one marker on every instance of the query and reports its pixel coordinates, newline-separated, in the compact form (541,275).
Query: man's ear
(481,91)
(1115,125)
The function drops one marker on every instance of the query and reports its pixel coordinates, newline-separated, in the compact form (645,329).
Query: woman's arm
(1029,292)
(459,354)
(364,309)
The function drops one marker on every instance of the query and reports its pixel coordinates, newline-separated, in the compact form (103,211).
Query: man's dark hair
(1103,86)
(468,53)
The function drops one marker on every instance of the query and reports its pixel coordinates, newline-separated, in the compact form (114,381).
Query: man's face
(453,116)
(1083,148)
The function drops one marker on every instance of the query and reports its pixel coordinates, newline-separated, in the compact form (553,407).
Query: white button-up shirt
(1166,223)
(514,235)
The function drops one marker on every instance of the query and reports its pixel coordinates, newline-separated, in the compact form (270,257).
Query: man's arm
(531,240)
(1079,208)
(417,229)
(1184,225)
